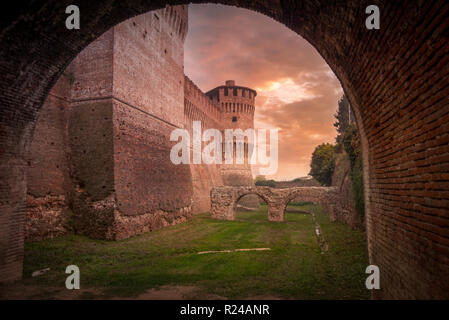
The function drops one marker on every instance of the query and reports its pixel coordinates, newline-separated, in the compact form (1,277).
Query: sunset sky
(297,91)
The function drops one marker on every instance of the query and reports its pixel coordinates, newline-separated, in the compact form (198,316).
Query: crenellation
(203,102)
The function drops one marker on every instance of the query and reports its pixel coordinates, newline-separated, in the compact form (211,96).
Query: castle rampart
(124,94)
(198,107)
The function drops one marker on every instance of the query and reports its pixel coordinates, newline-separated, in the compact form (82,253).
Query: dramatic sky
(297,91)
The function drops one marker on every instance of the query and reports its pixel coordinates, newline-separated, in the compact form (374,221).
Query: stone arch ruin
(224,199)
(396,79)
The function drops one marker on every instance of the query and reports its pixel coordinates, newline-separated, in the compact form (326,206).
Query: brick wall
(237,105)
(198,107)
(224,200)
(395,78)
(141,190)
(110,139)
(48,174)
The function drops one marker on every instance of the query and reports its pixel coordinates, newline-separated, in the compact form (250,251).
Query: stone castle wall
(341,179)
(198,107)
(109,172)
(112,146)
(48,213)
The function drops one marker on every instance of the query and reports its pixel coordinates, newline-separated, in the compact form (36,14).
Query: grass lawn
(294,268)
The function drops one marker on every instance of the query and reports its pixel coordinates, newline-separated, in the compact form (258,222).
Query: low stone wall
(224,200)
(103,219)
(341,179)
(47,217)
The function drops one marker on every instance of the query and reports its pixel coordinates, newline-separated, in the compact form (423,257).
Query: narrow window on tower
(226,91)
(235,92)
(234,119)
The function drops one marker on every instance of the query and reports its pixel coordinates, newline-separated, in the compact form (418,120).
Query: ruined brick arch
(395,78)
(224,200)
(235,204)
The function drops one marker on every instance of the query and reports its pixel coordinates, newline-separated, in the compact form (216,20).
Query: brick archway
(396,78)
(224,199)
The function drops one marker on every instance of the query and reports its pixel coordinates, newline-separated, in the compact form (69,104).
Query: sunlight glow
(284,91)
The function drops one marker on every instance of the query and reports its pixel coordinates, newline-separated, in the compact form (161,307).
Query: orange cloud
(297,91)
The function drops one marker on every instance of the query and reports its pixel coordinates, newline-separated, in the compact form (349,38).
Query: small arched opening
(243,212)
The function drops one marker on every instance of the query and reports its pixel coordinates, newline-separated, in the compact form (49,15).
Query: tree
(352,146)
(323,163)
(343,119)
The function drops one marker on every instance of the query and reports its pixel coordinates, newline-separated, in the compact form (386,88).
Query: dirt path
(20,291)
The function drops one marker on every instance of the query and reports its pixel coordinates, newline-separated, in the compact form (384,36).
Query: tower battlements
(198,106)
(236,105)
(230,106)
(234,101)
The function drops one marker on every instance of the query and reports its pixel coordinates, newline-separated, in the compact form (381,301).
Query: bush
(323,163)
(266,183)
(351,144)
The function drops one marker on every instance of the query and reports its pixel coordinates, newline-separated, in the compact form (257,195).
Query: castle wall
(126,98)
(48,212)
(91,138)
(147,103)
(148,88)
(148,64)
(198,107)
(341,179)
(123,95)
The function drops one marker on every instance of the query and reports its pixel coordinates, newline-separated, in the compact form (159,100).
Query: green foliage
(351,143)
(352,146)
(343,120)
(357,186)
(342,115)
(349,140)
(266,183)
(323,163)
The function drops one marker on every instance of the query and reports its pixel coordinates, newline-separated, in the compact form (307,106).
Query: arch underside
(395,78)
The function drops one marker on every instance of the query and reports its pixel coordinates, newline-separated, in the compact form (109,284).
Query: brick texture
(224,200)
(396,78)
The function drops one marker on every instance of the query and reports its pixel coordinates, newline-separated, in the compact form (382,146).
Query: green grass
(295,268)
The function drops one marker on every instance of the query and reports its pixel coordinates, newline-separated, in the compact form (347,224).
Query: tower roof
(230,84)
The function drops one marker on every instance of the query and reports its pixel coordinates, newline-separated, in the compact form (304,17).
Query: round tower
(237,106)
